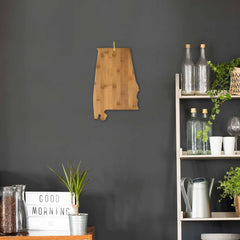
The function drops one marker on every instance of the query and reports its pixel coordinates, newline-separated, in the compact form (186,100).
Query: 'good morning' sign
(48,210)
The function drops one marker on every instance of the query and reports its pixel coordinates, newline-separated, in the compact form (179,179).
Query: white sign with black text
(48,210)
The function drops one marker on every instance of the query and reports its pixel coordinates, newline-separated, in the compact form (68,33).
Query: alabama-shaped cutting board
(115,86)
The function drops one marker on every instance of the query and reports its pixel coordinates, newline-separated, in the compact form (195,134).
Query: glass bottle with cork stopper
(188,73)
(194,144)
(202,73)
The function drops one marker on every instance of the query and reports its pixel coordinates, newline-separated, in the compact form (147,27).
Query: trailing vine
(219,92)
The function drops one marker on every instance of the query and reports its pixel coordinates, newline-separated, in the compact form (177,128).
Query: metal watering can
(197,197)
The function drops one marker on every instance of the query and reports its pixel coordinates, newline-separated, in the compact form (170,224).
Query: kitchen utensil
(115,86)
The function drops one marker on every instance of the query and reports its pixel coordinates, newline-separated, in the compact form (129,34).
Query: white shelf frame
(216,216)
(210,219)
(184,155)
(181,155)
(205,96)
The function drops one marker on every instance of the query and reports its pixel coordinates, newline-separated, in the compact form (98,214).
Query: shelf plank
(193,96)
(205,96)
(202,97)
(184,155)
(216,216)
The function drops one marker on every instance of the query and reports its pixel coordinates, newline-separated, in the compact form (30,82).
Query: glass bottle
(188,73)
(22,225)
(194,145)
(206,145)
(202,73)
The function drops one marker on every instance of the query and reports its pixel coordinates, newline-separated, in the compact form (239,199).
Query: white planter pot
(228,145)
(78,223)
(215,145)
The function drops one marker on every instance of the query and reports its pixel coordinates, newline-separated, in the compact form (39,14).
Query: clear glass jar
(202,74)
(194,145)
(22,223)
(188,73)
(8,210)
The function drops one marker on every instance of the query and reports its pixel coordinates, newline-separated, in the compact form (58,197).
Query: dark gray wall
(47,64)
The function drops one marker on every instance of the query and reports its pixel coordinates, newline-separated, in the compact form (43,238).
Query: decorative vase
(78,223)
(235,81)
(237,205)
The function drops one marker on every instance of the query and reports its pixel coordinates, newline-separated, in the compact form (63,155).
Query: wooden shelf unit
(182,155)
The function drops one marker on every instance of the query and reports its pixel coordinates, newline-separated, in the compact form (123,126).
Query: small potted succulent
(231,187)
(75,181)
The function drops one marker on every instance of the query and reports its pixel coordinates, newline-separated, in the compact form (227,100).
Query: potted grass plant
(231,187)
(75,180)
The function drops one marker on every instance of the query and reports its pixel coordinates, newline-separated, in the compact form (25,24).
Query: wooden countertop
(52,235)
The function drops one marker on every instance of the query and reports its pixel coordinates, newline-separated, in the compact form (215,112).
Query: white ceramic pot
(78,223)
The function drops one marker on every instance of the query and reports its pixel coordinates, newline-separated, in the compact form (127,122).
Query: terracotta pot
(235,81)
(237,205)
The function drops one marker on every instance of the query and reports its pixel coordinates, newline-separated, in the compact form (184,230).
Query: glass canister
(8,210)
(22,223)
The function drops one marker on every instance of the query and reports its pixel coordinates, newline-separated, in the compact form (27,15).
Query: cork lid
(188,45)
(202,45)
(193,110)
(204,110)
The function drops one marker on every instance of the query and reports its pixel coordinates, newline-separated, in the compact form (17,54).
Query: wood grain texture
(89,236)
(115,86)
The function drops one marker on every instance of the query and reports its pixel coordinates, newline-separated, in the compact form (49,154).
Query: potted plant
(220,91)
(75,181)
(231,187)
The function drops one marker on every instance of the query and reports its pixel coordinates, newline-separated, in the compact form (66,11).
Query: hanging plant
(219,92)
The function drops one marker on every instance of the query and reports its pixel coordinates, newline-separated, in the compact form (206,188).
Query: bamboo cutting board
(115,86)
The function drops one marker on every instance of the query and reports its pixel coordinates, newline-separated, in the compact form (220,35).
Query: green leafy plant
(75,181)
(219,92)
(231,184)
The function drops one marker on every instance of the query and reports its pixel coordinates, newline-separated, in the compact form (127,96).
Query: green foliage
(75,181)
(231,184)
(219,92)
